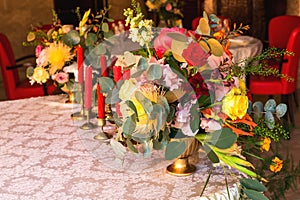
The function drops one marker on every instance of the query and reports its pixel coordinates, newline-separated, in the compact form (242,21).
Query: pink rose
(61,77)
(195,55)
(38,50)
(168,7)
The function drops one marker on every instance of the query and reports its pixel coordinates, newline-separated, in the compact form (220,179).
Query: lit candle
(79,63)
(101,103)
(88,87)
(103,65)
(117,73)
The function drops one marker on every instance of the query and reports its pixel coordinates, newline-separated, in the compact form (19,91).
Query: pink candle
(88,87)
(79,63)
(101,103)
(103,65)
(117,73)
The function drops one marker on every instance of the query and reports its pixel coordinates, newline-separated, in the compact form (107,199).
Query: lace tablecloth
(44,156)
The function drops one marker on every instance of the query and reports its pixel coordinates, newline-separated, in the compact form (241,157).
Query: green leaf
(29,71)
(142,64)
(130,146)
(129,126)
(223,138)
(174,149)
(252,184)
(91,38)
(210,153)
(118,148)
(154,72)
(146,103)
(131,105)
(113,97)
(106,84)
(254,195)
(147,148)
(270,105)
(195,118)
(105,27)
(157,115)
(258,110)
(270,121)
(281,110)
(72,38)
(99,50)
(178,36)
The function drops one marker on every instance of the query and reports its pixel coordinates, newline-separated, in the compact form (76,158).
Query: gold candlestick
(88,125)
(101,135)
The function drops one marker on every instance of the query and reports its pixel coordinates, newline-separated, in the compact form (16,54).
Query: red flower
(195,55)
(198,85)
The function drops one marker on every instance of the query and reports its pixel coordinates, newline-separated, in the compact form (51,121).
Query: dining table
(45,154)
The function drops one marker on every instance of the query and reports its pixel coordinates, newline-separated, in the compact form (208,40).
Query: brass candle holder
(108,113)
(81,114)
(101,135)
(88,125)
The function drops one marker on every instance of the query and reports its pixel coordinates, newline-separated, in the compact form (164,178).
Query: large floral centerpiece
(184,85)
(170,11)
(58,46)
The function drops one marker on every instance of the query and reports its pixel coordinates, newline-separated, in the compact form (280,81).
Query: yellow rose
(40,75)
(235,104)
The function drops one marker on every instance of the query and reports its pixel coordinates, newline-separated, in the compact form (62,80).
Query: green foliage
(174,149)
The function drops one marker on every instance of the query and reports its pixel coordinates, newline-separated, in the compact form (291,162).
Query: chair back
(7,58)
(280,28)
(290,67)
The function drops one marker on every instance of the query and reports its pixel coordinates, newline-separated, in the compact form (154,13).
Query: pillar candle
(88,87)
(117,73)
(80,63)
(103,65)
(101,103)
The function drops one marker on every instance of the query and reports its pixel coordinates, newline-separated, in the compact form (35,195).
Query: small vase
(71,98)
(181,166)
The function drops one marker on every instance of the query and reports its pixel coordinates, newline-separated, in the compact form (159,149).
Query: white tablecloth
(43,155)
(243,47)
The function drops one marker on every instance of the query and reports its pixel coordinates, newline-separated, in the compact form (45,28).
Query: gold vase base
(181,167)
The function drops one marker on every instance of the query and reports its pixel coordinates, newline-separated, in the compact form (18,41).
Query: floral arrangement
(57,47)
(183,85)
(168,10)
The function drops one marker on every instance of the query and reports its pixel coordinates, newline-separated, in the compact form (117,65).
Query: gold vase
(71,98)
(182,166)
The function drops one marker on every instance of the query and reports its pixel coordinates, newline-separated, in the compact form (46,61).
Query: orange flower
(265,144)
(276,165)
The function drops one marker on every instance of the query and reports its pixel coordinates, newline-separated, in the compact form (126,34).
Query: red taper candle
(117,73)
(80,63)
(126,74)
(103,65)
(101,103)
(88,87)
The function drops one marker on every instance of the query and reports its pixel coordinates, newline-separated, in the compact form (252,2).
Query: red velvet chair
(284,32)
(15,88)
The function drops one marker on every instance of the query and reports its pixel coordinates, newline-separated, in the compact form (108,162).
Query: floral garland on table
(184,84)
(57,47)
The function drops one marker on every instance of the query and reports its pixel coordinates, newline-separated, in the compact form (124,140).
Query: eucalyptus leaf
(257,110)
(142,64)
(147,148)
(29,71)
(281,110)
(178,36)
(194,118)
(113,97)
(214,18)
(91,39)
(131,105)
(210,153)
(161,100)
(270,105)
(158,117)
(254,195)
(223,138)
(252,184)
(154,72)
(174,149)
(106,83)
(105,27)
(129,58)
(99,50)
(72,38)
(130,146)
(146,103)
(118,148)
(129,126)
(270,121)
